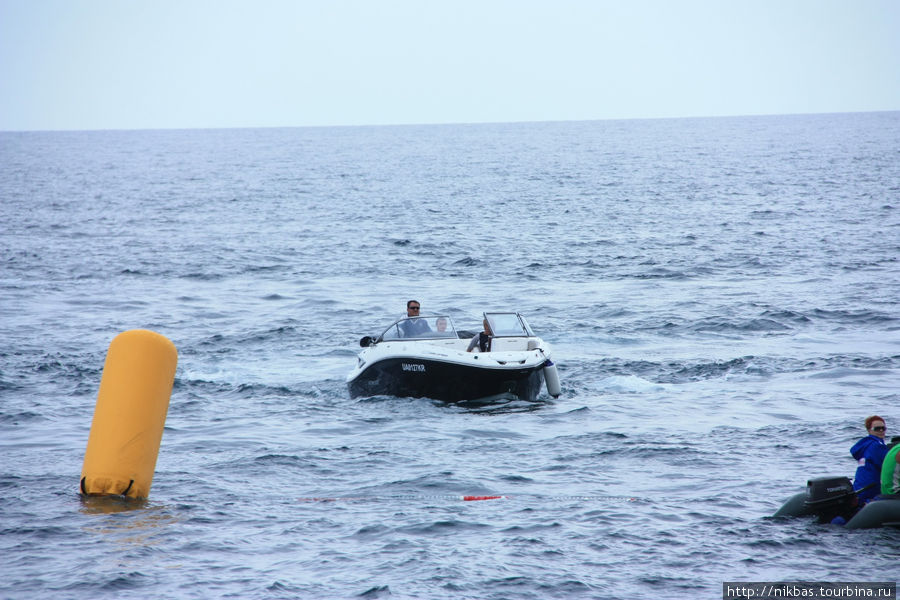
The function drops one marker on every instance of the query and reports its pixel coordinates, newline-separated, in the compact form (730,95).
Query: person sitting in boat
(415,326)
(869,453)
(482,340)
(441,325)
(890,470)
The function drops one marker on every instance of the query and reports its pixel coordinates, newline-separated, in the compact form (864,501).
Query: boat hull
(883,511)
(451,382)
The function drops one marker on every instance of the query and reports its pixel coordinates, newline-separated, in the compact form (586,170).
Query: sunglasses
(878,428)
(413,308)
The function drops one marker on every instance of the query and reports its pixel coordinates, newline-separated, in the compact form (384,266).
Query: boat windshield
(420,328)
(508,325)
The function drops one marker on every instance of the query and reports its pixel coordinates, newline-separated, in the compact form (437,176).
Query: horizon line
(444,123)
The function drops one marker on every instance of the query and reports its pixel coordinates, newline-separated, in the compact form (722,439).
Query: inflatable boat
(426,357)
(833,500)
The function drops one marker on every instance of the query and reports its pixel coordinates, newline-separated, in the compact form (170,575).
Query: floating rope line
(376,498)
(467,498)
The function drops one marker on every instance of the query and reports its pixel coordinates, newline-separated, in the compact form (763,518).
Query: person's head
(442,324)
(875,426)
(412,308)
(487,328)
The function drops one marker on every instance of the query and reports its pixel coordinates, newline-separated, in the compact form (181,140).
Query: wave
(771,321)
(198,276)
(468,261)
(720,325)
(629,384)
(20,417)
(220,390)
(66,368)
(641,376)
(782,316)
(662,273)
(855,317)
(237,342)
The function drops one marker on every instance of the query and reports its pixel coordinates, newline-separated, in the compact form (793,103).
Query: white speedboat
(427,357)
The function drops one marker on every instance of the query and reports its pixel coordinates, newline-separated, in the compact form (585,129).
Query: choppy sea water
(721,295)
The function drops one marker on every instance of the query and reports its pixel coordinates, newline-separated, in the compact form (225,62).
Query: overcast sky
(113,64)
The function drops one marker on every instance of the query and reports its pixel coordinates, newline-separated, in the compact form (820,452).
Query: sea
(722,296)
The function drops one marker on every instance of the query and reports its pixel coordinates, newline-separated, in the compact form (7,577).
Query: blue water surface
(721,295)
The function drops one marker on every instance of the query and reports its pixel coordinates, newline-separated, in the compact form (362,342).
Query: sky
(149,64)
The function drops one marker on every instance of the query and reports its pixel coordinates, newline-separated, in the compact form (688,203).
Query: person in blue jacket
(869,453)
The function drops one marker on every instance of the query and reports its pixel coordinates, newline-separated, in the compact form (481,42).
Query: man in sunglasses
(414,326)
(869,453)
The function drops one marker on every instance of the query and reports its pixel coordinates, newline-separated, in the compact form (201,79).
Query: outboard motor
(830,497)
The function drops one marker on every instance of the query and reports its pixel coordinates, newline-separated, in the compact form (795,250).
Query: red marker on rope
(475,498)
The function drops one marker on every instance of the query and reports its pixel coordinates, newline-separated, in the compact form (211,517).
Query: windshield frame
(521,328)
(395,332)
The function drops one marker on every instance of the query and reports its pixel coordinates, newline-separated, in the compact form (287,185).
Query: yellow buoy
(130,414)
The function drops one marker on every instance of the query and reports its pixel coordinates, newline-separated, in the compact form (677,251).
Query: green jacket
(890,472)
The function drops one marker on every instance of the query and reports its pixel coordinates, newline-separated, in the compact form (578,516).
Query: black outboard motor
(830,497)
